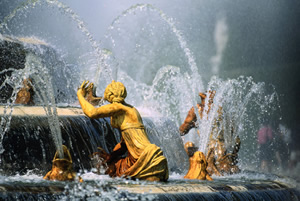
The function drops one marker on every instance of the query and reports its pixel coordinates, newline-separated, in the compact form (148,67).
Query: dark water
(28,144)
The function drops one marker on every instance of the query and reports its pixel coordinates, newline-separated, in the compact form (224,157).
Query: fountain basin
(104,188)
(28,147)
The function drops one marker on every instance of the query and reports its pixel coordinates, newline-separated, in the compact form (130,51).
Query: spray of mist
(221,39)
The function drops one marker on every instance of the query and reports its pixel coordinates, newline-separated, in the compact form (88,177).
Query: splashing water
(100,56)
(21,7)
(43,90)
(107,75)
(46,93)
(196,80)
(160,87)
(245,105)
(172,91)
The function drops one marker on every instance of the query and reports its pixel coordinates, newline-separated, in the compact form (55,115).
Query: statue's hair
(115,92)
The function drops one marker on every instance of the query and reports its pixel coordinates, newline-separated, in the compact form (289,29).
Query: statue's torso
(133,132)
(128,118)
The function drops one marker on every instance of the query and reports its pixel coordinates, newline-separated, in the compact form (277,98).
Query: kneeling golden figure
(62,168)
(144,160)
(198,163)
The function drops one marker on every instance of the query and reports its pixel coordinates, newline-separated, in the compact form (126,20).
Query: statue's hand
(83,88)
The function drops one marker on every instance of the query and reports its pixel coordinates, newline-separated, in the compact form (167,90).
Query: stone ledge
(199,188)
(20,110)
(40,111)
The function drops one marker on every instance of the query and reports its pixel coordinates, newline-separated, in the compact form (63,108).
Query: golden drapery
(144,160)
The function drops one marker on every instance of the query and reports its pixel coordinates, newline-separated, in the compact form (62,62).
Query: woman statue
(144,160)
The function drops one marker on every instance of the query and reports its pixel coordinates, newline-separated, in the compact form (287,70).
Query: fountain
(30,134)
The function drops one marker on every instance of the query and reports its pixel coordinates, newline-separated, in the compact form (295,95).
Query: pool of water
(244,186)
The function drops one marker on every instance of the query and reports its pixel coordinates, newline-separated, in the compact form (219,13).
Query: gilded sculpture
(25,94)
(198,164)
(219,162)
(62,168)
(144,160)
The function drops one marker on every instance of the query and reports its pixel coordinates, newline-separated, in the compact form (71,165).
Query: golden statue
(62,168)
(189,122)
(191,118)
(198,163)
(225,163)
(219,161)
(25,94)
(144,160)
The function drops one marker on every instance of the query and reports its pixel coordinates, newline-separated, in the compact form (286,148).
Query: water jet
(30,135)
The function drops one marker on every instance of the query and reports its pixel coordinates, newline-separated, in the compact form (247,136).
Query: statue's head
(190,148)
(115,92)
(64,163)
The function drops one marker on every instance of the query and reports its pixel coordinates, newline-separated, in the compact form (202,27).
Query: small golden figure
(25,94)
(62,168)
(227,162)
(198,163)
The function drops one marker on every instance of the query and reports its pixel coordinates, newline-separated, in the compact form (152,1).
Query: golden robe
(144,160)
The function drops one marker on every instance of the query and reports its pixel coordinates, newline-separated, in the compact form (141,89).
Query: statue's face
(106,98)
(190,151)
(188,145)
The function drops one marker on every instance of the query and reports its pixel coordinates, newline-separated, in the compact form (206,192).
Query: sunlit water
(103,187)
(170,94)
